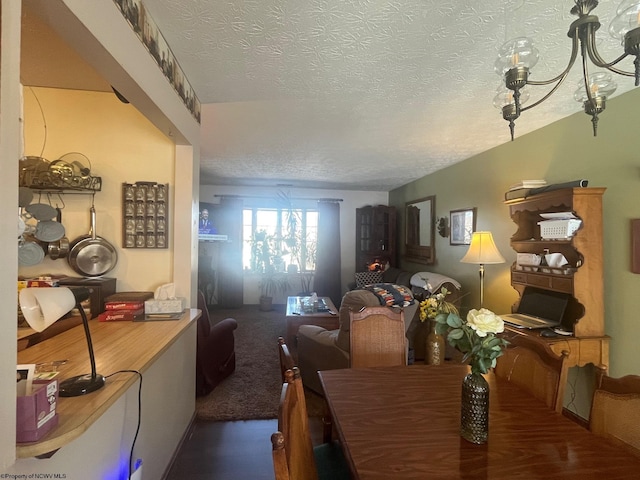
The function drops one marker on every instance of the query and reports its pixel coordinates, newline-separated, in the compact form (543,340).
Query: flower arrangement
(435,304)
(475,338)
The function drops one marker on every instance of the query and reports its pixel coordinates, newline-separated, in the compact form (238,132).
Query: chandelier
(517,57)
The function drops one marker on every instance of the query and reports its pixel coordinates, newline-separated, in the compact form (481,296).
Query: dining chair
(377,338)
(286,359)
(287,363)
(294,456)
(534,367)
(615,410)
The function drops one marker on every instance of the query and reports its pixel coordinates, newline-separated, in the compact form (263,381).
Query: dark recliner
(215,351)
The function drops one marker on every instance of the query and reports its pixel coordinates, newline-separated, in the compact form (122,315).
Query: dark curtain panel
(328,263)
(230,279)
(413,230)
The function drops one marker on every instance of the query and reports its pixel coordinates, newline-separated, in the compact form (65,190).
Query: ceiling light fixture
(517,57)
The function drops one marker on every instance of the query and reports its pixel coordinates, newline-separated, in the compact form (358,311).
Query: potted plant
(272,283)
(292,234)
(262,251)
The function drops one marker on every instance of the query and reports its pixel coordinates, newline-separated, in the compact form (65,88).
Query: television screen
(209,223)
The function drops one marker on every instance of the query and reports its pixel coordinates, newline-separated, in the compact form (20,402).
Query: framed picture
(463,224)
(635,245)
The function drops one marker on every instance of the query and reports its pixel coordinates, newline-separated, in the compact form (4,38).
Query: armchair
(321,349)
(215,350)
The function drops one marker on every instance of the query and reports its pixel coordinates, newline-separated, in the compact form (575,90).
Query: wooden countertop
(117,346)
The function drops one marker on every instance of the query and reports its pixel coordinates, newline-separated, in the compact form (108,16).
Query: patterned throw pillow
(392,295)
(368,278)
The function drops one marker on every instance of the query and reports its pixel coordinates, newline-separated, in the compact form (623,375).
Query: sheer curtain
(326,282)
(230,280)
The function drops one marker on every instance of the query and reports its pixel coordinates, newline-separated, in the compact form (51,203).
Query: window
(279,240)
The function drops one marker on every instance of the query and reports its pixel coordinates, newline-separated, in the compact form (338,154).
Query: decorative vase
(434,354)
(474,412)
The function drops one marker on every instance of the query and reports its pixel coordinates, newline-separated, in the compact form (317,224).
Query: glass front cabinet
(375,236)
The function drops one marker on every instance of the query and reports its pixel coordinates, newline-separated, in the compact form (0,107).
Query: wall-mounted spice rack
(145,210)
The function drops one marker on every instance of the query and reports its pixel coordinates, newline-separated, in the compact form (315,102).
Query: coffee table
(296,317)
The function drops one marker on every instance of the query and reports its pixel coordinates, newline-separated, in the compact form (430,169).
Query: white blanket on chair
(432,281)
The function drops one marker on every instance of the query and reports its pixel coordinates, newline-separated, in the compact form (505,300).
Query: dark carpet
(253,391)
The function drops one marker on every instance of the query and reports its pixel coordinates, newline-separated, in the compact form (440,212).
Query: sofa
(215,350)
(321,349)
(416,281)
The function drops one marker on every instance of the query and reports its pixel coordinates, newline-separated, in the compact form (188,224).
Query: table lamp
(482,251)
(42,307)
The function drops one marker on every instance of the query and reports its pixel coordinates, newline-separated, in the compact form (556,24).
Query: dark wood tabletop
(403,423)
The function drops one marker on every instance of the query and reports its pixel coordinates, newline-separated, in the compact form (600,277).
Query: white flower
(484,321)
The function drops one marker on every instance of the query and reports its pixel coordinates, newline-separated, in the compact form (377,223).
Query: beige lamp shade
(482,250)
(42,307)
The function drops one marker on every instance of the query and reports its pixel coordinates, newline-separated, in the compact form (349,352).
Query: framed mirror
(420,231)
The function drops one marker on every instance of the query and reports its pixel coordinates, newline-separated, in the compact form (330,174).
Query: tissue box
(36,413)
(172,305)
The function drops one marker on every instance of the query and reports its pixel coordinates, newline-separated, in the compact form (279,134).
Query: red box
(36,413)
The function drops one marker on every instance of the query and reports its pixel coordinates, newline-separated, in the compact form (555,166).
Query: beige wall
(561,152)
(122,146)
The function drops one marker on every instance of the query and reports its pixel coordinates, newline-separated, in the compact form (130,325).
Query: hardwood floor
(230,450)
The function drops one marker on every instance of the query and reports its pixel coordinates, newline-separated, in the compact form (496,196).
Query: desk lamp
(42,307)
(482,251)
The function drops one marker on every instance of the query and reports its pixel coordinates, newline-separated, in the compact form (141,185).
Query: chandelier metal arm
(547,95)
(597,60)
(585,72)
(558,79)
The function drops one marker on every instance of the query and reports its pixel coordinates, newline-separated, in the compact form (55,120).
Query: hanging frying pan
(90,255)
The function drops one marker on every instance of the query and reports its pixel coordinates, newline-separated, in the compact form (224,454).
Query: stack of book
(124,306)
(526,188)
(523,188)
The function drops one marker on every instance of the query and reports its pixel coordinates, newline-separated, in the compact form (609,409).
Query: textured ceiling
(361,94)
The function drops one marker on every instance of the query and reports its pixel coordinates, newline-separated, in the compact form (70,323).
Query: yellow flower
(431,306)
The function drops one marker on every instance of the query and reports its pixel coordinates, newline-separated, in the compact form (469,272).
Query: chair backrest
(533,366)
(286,360)
(293,425)
(279,454)
(378,337)
(353,300)
(204,322)
(615,410)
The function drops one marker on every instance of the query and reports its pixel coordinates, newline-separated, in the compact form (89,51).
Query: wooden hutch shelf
(583,276)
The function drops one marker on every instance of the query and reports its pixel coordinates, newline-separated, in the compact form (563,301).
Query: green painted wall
(563,151)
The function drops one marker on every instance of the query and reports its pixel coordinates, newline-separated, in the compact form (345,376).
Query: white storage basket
(559,229)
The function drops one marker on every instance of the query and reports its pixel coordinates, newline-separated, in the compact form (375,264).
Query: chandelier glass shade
(517,57)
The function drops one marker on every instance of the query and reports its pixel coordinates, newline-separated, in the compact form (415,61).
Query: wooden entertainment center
(582,278)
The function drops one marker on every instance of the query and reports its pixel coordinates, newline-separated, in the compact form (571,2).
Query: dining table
(404,423)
